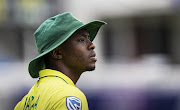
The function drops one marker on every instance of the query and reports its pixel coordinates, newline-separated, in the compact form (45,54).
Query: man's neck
(74,75)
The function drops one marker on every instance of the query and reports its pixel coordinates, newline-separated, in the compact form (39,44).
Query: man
(66,51)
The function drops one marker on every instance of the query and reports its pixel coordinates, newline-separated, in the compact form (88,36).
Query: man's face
(78,52)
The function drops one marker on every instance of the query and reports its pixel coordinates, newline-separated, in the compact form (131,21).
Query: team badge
(73,103)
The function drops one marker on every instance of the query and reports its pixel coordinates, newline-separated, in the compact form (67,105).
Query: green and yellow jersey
(53,91)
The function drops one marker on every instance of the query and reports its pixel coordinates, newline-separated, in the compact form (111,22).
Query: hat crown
(54,30)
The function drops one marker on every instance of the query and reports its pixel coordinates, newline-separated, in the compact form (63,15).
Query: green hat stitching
(53,32)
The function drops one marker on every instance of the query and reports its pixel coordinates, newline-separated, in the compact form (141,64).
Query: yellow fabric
(50,93)
(2,10)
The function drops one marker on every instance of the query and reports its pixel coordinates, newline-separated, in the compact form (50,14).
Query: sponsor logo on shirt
(73,103)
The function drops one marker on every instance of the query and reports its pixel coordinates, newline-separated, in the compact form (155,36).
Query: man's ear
(56,54)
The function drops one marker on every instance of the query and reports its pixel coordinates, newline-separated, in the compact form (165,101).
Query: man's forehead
(82,32)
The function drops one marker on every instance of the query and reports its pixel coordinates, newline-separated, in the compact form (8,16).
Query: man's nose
(91,46)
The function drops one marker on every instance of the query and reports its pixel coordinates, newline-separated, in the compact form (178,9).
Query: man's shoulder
(52,83)
(67,90)
(72,90)
(70,93)
(58,87)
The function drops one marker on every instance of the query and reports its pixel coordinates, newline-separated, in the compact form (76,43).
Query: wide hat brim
(38,64)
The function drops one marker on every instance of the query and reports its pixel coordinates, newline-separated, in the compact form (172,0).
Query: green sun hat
(53,32)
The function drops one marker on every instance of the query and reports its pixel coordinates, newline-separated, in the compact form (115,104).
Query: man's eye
(81,39)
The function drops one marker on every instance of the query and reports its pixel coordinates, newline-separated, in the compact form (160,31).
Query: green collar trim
(53,76)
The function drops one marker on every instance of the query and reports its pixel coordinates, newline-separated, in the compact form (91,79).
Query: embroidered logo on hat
(73,103)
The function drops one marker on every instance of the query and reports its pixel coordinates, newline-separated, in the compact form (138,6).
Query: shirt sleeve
(20,104)
(17,107)
(71,98)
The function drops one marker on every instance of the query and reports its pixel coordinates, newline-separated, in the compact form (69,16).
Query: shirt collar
(55,73)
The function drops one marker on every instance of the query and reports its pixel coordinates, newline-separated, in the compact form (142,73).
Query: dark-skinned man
(66,51)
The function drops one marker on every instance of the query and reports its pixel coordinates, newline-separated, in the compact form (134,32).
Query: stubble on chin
(90,68)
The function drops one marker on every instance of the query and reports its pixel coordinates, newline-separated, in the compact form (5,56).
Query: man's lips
(93,56)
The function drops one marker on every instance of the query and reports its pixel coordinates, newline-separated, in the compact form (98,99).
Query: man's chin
(90,68)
